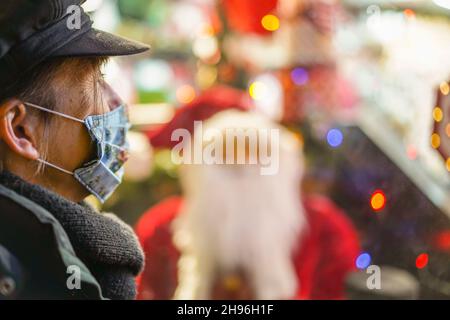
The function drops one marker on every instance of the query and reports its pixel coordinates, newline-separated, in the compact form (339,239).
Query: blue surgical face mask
(102,175)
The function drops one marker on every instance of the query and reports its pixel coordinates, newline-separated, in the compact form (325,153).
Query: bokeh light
(435,140)
(422,260)
(185,93)
(205,47)
(270,22)
(257,90)
(206,76)
(378,200)
(438,114)
(187,19)
(411,151)
(267,93)
(335,137)
(409,13)
(445,88)
(363,261)
(299,76)
(442,240)
(162,75)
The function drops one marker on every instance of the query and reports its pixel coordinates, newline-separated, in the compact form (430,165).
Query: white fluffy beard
(235,218)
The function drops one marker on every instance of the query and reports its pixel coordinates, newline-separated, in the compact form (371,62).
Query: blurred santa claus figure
(238,234)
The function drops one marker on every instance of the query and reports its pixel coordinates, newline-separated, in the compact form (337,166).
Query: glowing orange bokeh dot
(378,200)
(438,114)
(435,140)
(409,13)
(185,94)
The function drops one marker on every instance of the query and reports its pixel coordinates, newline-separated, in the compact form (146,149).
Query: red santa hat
(245,15)
(210,102)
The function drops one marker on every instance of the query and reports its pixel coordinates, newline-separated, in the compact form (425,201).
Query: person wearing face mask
(62,137)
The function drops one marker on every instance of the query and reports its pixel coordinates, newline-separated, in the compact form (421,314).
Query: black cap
(33,30)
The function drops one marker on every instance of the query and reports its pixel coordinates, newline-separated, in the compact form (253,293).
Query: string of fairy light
(438,117)
(378,199)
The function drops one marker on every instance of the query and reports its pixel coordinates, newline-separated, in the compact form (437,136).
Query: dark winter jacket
(52,248)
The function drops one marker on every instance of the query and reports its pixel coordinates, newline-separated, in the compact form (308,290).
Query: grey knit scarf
(107,246)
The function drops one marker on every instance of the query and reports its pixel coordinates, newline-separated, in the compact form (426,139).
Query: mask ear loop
(61,115)
(55,166)
(54,112)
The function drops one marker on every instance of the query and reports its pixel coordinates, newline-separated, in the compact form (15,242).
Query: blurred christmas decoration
(378,200)
(440,139)
(267,93)
(363,261)
(249,16)
(335,137)
(422,261)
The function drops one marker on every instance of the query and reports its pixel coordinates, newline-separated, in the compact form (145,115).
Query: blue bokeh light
(335,138)
(363,260)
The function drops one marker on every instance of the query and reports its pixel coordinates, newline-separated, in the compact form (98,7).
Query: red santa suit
(327,253)
(299,247)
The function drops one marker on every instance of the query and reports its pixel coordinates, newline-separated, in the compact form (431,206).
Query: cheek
(84,148)
(74,145)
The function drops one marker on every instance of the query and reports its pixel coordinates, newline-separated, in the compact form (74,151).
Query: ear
(16,129)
